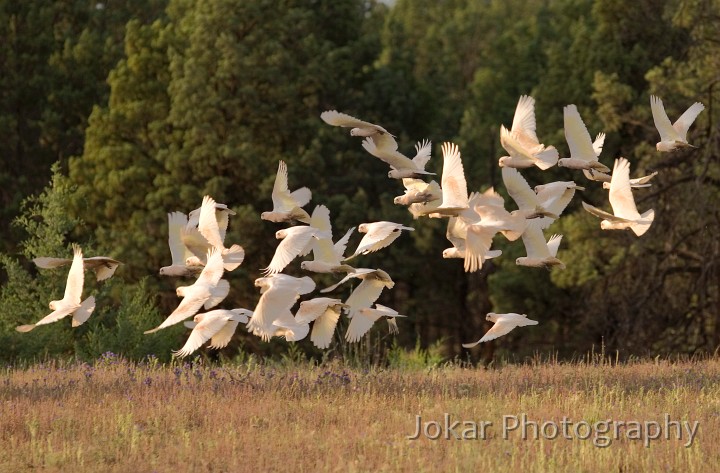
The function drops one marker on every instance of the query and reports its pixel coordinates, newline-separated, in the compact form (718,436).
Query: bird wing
(301,196)
(534,241)
(335,118)
(598,143)
(213,270)
(686,119)
(290,247)
(208,224)
(194,242)
(223,219)
(191,303)
(577,136)
(501,327)
(224,335)
(279,298)
(621,198)
(456,232)
(662,122)
(359,272)
(394,158)
(454,186)
(596,175)
(490,198)
(519,189)
(54,316)
(75,279)
(104,267)
(360,324)
(602,214)
(210,324)
(379,236)
(524,119)
(479,239)
(46,262)
(281,198)
(321,220)
(555,200)
(423,151)
(312,309)
(83,312)
(365,294)
(553,244)
(340,245)
(324,327)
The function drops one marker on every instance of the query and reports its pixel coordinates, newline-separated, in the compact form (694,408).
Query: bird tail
(547,158)
(233,257)
(217,294)
(81,315)
(643,225)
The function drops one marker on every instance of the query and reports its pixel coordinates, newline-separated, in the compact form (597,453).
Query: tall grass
(114,415)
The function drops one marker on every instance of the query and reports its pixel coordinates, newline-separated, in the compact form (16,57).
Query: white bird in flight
(539,253)
(385,147)
(208,290)
(324,312)
(504,323)
(453,183)
(418,191)
(378,235)
(359,127)
(471,233)
(521,141)
(625,214)
(287,206)
(296,241)
(547,203)
(222,215)
(583,152)
(364,319)
(278,294)
(327,255)
(177,222)
(208,235)
(70,303)
(103,266)
(367,292)
(217,325)
(673,136)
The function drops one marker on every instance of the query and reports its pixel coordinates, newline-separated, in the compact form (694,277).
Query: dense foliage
(146,106)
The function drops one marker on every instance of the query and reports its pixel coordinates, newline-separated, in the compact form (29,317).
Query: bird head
(502,162)
(491,316)
(193,261)
(450,253)
(398,200)
(304,265)
(180,291)
(280,234)
(363,228)
(198,318)
(53,305)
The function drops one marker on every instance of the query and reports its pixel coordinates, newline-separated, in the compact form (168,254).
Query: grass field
(115,415)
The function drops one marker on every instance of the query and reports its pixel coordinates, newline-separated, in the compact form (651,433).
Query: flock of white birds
(197,240)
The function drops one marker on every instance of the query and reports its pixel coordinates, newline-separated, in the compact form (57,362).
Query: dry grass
(120,416)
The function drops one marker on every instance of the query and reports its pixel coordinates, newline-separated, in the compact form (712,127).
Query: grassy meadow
(114,415)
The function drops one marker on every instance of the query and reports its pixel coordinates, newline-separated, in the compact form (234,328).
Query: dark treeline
(113,114)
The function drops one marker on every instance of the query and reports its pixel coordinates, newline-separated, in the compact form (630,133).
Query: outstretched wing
(662,122)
